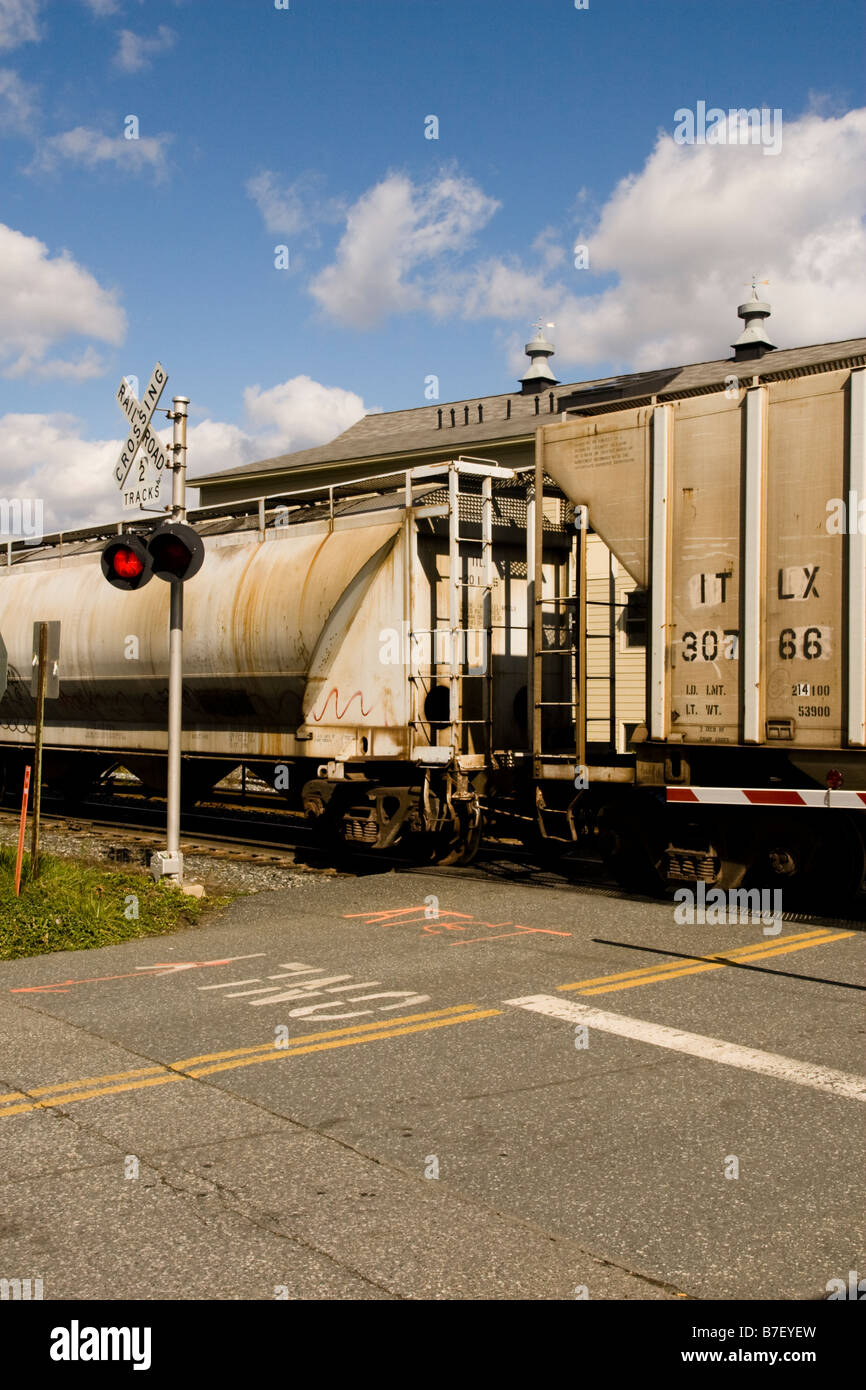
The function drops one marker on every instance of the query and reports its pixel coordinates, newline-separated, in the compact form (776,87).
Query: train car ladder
(468,653)
(544,762)
(606,637)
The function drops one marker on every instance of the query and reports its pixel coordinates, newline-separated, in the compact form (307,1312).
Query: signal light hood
(176,551)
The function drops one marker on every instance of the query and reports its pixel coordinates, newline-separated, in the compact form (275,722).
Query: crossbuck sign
(143,460)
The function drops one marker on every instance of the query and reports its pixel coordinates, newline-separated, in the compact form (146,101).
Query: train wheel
(634,847)
(463,846)
(817,864)
(458,840)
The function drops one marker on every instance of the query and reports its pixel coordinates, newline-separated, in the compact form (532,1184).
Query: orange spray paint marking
(20,855)
(520,931)
(407,916)
(144,972)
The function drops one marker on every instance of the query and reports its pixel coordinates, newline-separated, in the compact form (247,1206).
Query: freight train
(408,657)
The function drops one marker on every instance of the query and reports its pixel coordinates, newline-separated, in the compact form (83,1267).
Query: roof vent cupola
(539,374)
(754,340)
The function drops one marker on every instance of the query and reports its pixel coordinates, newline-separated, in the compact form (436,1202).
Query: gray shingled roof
(400,432)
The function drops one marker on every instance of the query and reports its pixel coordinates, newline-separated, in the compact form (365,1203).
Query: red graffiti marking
(337,709)
(435,925)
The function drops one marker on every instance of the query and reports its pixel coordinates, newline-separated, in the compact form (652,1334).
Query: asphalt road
(410,1086)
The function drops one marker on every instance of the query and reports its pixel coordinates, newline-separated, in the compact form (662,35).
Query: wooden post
(37,761)
(24,798)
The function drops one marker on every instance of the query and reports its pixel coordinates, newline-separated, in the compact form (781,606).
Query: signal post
(172,866)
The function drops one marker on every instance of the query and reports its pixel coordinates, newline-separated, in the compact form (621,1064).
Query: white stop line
(836,1083)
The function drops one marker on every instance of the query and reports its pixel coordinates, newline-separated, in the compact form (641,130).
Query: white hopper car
(364,649)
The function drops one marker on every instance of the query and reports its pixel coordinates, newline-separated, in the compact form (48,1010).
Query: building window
(635,618)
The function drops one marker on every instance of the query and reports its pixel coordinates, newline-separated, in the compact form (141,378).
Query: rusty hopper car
(363,648)
(739,514)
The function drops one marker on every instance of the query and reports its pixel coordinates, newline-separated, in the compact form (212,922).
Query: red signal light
(126,564)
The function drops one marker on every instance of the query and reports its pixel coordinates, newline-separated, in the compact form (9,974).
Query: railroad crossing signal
(174,553)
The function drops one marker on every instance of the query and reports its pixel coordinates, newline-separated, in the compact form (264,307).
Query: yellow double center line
(68,1092)
(673,970)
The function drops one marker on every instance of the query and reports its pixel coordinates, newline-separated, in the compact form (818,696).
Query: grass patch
(74,906)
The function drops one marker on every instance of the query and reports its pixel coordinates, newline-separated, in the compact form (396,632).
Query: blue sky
(408,256)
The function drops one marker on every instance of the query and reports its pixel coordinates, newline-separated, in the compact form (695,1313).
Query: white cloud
(214,445)
(135,52)
(685,233)
(19,22)
(506,289)
(42,302)
(87,366)
(47,456)
(295,414)
(297,209)
(392,255)
(102,7)
(675,243)
(89,147)
(17,103)
(547,246)
(683,236)
(299,413)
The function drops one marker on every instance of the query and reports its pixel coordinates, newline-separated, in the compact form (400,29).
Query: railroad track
(222,844)
(246,839)
(277,838)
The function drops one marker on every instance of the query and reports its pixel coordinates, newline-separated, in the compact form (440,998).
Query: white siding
(630,662)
